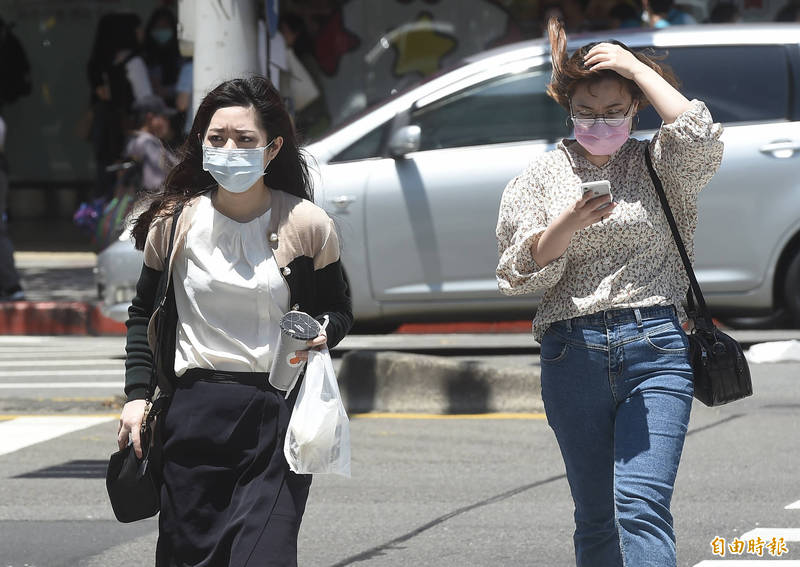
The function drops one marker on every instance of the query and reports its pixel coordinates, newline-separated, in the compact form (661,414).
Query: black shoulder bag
(721,374)
(134,485)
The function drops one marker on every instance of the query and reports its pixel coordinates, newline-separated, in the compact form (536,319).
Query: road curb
(56,318)
(386,381)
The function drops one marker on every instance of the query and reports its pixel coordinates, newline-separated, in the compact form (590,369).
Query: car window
(510,108)
(368,146)
(737,83)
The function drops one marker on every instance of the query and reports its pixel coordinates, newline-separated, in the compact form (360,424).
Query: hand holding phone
(598,189)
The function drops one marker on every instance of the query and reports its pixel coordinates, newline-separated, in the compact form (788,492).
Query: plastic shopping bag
(318,437)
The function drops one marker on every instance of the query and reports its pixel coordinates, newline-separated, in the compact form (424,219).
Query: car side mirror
(404,141)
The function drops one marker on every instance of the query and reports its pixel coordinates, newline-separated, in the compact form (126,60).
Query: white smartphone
(602,187)
(598,189)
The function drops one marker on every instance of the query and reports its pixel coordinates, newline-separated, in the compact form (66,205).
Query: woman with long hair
(249,245)
(117,79)
(616,380)
(161,53)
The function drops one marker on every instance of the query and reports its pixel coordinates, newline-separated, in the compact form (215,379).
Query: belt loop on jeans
(638,315)
(569,325)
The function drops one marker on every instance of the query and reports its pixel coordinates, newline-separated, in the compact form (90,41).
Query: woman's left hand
(317,343)
(613,57)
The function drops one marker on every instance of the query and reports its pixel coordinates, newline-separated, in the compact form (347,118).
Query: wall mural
(422,46)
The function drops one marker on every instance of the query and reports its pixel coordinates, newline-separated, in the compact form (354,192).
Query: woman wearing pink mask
(616,380)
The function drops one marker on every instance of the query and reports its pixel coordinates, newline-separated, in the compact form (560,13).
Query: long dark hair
(569,71)
(288,172)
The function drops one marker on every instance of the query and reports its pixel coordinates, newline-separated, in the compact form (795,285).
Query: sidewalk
(60,297)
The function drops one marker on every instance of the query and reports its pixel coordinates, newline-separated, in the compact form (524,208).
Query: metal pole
(269,35)
(226,40)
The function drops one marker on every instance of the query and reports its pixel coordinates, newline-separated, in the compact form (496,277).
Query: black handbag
(721,374)
(134,485)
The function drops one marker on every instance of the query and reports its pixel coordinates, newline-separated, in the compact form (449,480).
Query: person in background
(117,78)
(664,13)
(789,13)
(311,118)
(725,12)
(184,88)
(625,15)
(10,287)
(161,53)
(146,146)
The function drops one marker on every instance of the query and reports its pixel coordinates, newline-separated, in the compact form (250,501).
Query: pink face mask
(600,139)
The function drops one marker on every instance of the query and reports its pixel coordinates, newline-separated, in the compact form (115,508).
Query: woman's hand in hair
(668,101)
(614,58)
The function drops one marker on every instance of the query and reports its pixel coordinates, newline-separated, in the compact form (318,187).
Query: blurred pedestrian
(311,118)
(10,287)
(249,243)
(146,146)
(616,380)
(184,88)
(665,13)
(789,13)
(725,12)
(15,69)
(162,54)
(117,77)
(625,15)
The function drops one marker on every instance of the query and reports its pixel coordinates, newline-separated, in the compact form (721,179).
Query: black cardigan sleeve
(139,359)
(332,298)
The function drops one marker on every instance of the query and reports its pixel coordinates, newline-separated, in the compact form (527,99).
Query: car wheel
(791,290)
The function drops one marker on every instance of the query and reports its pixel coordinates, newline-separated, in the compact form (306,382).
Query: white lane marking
(793,506)
(24,431)
(59,385)
(69,362)
(788,534)
(745,563)
(86,372)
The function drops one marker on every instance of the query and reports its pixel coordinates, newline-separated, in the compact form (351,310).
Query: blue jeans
(617,390)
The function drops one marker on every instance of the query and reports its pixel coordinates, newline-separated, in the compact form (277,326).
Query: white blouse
(229,293)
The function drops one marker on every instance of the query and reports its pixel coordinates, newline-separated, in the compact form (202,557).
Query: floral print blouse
(627,260)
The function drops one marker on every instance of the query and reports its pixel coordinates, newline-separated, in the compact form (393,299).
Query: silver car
(414,184)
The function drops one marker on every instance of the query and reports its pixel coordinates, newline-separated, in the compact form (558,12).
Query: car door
(431,215)
(749,207)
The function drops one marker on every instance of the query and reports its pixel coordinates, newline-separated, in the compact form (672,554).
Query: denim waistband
(622,316)
(258,379)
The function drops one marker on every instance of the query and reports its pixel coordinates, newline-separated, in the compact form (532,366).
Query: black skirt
(229,498)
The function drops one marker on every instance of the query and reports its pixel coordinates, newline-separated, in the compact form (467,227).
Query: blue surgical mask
(161,35)
(235,169)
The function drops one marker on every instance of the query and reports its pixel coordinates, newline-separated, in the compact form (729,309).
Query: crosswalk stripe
(79,372)
(25,431)
(788,534)
(793,506)
(59,385)
(62,362)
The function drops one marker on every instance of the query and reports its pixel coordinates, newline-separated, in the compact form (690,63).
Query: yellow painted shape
(385,415)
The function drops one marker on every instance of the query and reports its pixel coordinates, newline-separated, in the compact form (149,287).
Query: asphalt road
(424,491)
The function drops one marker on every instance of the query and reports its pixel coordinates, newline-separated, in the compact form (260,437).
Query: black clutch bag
(134,485)
(720,370)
